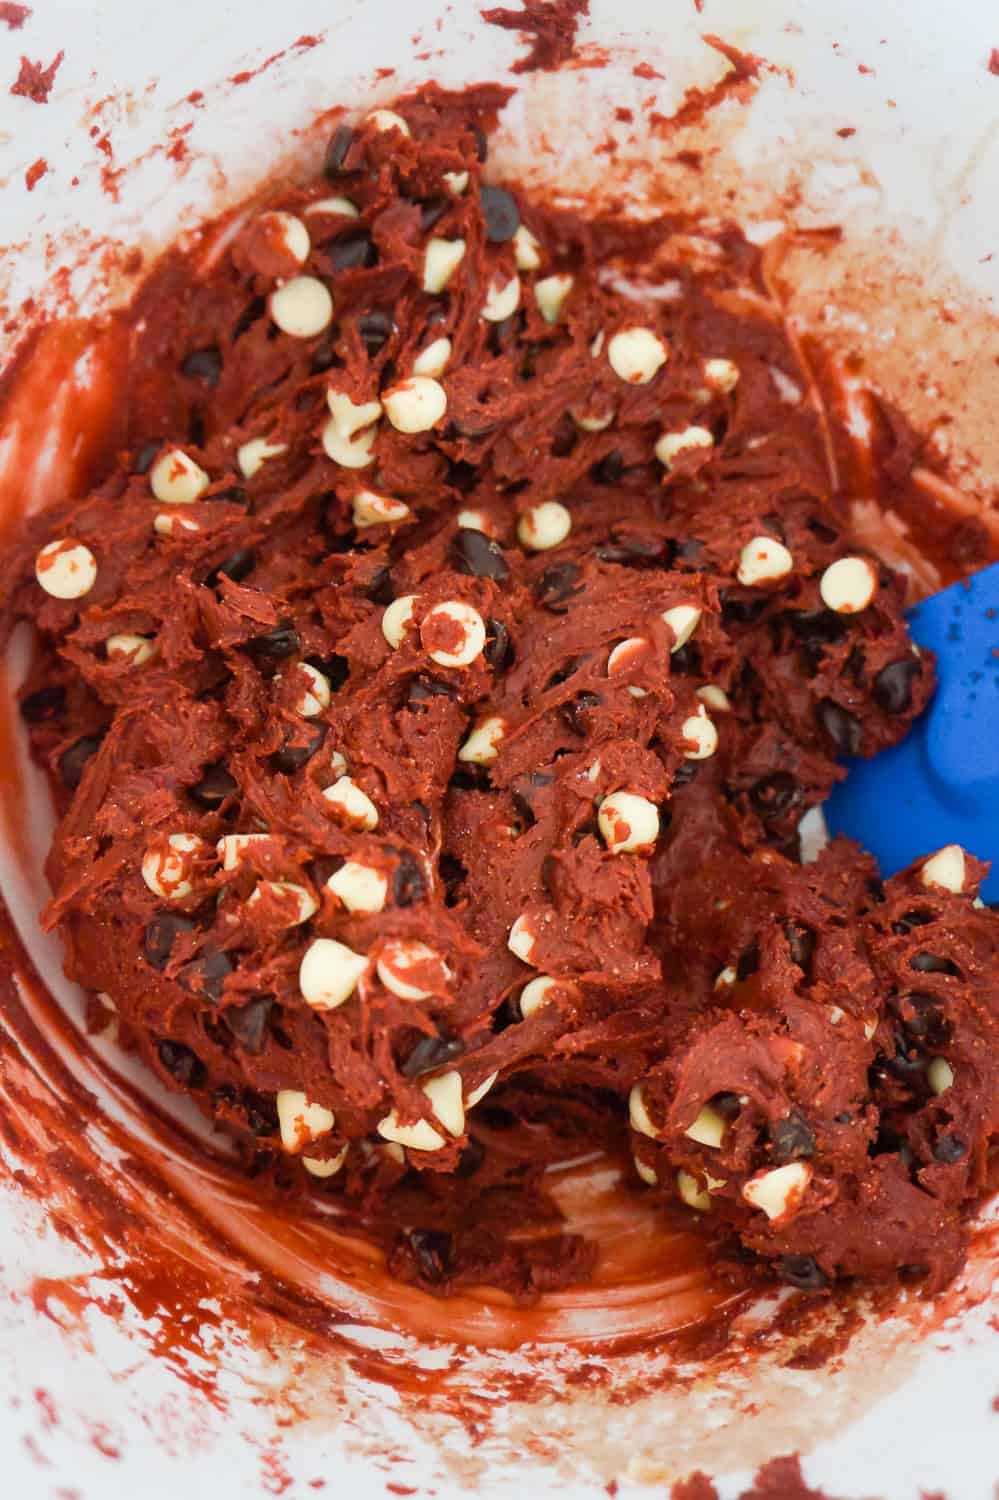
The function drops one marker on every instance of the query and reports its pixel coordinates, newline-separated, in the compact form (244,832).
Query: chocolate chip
(824,533)
(949,1149)
(726,1104)
(801,941)
(206,975)
(335,668)
(143,460)
(565,437)
(431,211)
(575,712)
(250,315)
(634,551)
(375,328)
(284,640)
(471,1159)
(557,584)
(792,1138)
(500,214)
(422,689)
(232,495)
(932,963)
(182,1065)
(160,935)
(237,566)
(350,252)
(433,1252)
(685,773)
(749,962)
(740,611)
(249,1023)
(475,553)
(409,883)
(775,794)
(840,725)
(214,787)
(452,875)
(42,707)
(609,469)
(204,365)
(300,745)
(380,590)
(462,476)
(908,1060)
(481,143)
(261,1115)
(504,334)
(498,650)
(73,760)
(336,152)
(432,1052)
(690,551)
(803,1272)
(685,661)
(324,356)
(910,919)
(888,1142)
(892,687)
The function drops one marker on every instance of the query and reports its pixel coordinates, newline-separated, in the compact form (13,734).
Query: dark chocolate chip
(431,211)
(803,1272)
(73,760)
(475,553)
(685,661)
(949,1149)
(206,975)
(196,430)
(143,460)
(250,315)
(910,919)
(634,551)
(822,531)
(283,641)
(42,707)
(249,1023)
(690,551)
(261,1115)
(379,589)
(409,883)
(471,1159)
(376,328)
(323,356)
(481,143)
(738,610)
(801,941)
(433,1252)
(840,725)
(498,650)
(504,334)
(452,874)
(160,935)
(335,668)
(792,1138)
(932,963)
(204,365)
(908,1061)
(888,1142)
(774,795)
(350,252)
(576,712)
(237,566)
(726,1104)
(686,772)
(214,787)
(749,962)
(462,476)
(556,585)
(432,1052)
(892,687)
(500,214)
(300,745)
(422,689)
(336,152)
(609,469)
(232,495)
(182,1065)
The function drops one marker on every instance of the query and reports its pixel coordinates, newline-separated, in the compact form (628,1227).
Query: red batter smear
(13,16)
(35,82)
(781,1479)
(35,173)
(994,61)
(548,28)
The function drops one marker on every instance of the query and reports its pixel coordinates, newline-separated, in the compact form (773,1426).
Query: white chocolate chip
(232,846)
(433,360)
(597,345)
(628,824)
(290,231)
(848,585)
(521,940)
(300,1121)
(416,404)
(393,1152)
(625,656)
(527,251)
(445,1092)
(673,443)
(351,804)
(763,560)
(306,904)
(939,1075)
(502,300)
(397,616)
(253,455)
(472,520)
(469,633)
(351,416)
(550,294)
(592,772)
(456,183)
(360,888)
(779,1192)
(721,375)
(708,1129)
(535,994)
(317,695)
(701,731)
(320,1167)
(387,119)
(725,978)
(349,453)
(302,307)
(135,649)
(715,697)
(338,763)
(329,973)
(478,1094)
(592,424)
(441,259)
(544,526)
(638,1115)
(683,620)
(692,1193)
(170,522)
(175,479)
(946,869)
(167,872)
(636,355)
(397,963)
(334,205)
(66,569)
(377,510)
(482,745)
(645,1172)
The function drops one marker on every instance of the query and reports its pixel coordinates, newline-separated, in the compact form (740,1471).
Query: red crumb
(14,15)
(384,72)
(196,96)
(995,1403)
(994,61)
(549,28)
(35,171)
(35,82)
(646,70)
(863,68)
(625,115)
(846,131)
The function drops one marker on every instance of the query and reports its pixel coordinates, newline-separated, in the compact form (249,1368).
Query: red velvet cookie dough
(433,690)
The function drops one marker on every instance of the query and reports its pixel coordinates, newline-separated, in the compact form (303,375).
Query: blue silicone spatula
(941,784)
